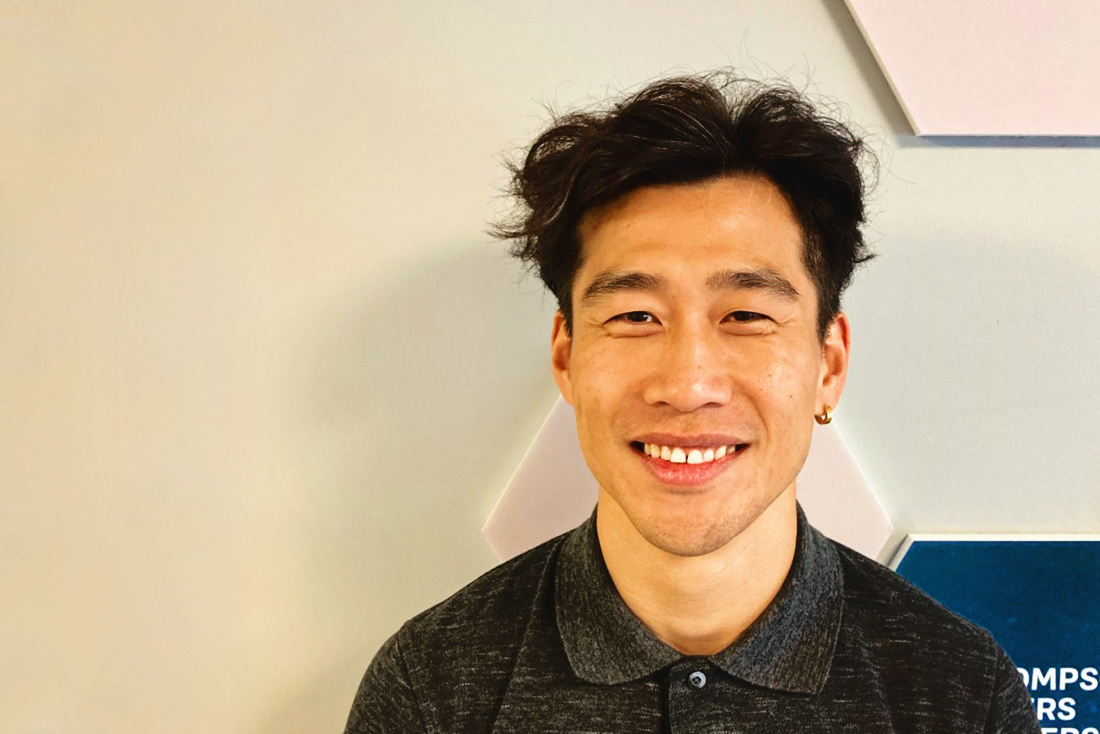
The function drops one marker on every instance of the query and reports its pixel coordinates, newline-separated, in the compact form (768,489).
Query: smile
(694,465)
(686,455)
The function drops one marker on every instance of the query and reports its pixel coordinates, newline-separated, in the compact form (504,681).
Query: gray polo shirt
(544,643)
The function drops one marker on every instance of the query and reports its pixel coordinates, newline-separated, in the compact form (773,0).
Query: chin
(705,527)
(689,537)
(688,547)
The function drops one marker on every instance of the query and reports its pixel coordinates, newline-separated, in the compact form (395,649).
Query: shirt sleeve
(386,702)
(1010,711)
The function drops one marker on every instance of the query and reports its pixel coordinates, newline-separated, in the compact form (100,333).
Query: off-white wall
(262,374)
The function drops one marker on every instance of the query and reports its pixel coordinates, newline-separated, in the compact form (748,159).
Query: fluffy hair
(686,130)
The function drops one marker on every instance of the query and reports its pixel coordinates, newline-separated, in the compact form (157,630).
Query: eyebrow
(617,281)
(763,279)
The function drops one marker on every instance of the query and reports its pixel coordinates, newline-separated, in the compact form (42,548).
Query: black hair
(685,130)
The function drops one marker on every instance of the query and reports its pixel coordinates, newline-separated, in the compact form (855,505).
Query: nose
(690,372)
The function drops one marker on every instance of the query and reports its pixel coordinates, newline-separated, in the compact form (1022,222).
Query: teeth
(678,455)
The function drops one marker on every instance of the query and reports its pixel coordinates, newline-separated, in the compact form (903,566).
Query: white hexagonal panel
(552,492)
(989,67)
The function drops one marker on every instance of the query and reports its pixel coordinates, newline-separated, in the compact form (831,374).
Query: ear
(561,350)
(834,362)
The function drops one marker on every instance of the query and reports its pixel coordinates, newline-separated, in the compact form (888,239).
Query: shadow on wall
(412,400)
(323,705)
(975,369)
(999,141)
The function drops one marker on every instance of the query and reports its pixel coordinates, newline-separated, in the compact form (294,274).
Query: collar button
(698,679)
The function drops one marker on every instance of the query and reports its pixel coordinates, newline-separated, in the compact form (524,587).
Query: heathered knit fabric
(544,643)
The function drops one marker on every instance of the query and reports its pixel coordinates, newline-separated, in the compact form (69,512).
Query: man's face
(695,329)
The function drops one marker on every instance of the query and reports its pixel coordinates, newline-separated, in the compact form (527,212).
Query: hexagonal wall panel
(989,67)
(552,491)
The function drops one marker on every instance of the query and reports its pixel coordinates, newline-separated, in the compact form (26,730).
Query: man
(698,236)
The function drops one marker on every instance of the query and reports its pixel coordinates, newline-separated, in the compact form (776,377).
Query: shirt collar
(789,647)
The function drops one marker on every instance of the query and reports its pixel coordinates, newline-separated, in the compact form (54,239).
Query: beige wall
(263,375)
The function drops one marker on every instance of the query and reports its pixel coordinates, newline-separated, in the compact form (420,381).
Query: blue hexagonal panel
(1040,597)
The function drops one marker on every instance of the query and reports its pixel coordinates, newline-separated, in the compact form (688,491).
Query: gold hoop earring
(826,416)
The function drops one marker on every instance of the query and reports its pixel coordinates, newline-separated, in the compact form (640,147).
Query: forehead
(716,224)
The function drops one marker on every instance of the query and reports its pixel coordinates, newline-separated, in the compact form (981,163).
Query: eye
(745,316)
(748,323)
(636,317)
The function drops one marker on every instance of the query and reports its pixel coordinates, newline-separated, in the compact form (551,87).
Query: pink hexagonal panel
(989,67)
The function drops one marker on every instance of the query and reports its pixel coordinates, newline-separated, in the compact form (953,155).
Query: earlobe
(834,362)
(561,349)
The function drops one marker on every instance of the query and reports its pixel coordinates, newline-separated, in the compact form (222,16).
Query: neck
(700,604)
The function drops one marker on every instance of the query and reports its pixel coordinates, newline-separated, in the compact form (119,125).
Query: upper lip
(695,440)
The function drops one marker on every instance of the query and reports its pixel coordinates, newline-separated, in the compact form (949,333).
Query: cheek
(596,405)
(590,395)
(790,382)
(605,389)
(601,375)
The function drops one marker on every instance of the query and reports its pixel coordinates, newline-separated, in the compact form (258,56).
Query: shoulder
(489,608)
(896,612)
(460,653)
(447,667)
(933,665)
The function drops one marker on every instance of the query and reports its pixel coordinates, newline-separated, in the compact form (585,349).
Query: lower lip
(688,475)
